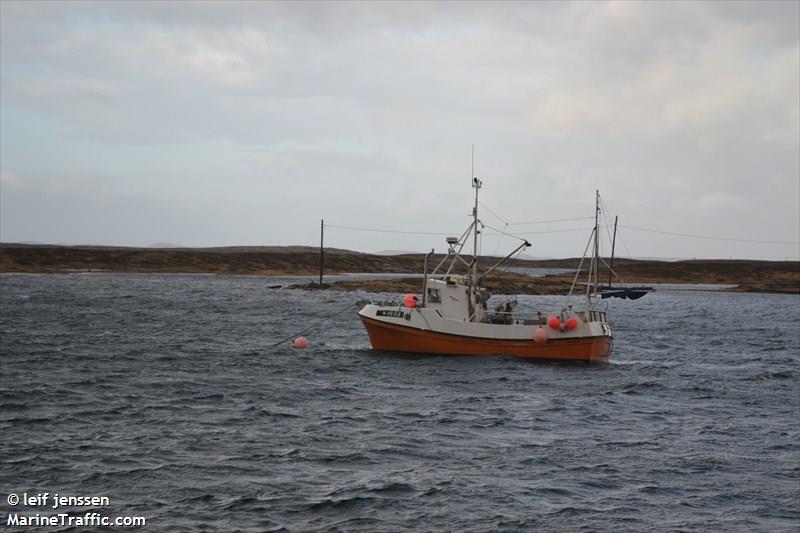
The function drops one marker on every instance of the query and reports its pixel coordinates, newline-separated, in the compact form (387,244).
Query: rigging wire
(620,237)
(613,272)
(506,224)
(504,233)
(580,269)
(498,217)
(315,324)
(500,240)
(607,218)
(604,212)
(532,222)
(495,231)
(516,235)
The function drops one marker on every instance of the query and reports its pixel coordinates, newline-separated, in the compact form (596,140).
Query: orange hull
(394,338)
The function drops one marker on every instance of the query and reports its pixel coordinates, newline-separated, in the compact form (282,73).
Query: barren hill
(749,275)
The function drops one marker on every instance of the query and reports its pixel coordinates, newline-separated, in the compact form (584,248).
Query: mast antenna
(472,175)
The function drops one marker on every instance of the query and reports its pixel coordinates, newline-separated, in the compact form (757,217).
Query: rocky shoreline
(509,283)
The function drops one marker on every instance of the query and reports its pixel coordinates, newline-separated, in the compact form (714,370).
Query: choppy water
(163,393)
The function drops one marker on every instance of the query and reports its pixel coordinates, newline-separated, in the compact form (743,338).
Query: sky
(221,124)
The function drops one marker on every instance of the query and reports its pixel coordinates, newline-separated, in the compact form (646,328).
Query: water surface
(165,394)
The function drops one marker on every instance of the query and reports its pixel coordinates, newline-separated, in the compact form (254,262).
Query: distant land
(746,275)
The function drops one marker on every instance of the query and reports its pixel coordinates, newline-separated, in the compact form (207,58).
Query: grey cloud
(353,109)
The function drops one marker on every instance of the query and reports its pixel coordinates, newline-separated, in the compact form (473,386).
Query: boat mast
(473,271)
(596,238)
(477,185)
(593,264)
(613,245)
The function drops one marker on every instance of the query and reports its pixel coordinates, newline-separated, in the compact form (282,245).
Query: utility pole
(321,250)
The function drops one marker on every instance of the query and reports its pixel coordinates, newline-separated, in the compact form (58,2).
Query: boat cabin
(449,296)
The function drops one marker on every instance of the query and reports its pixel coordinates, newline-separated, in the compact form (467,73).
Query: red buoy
(540,336)
(554,322)
(572,322)
(301,342)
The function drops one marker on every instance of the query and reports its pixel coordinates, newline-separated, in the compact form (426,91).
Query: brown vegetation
(497,283)
(747,275)
(294,260)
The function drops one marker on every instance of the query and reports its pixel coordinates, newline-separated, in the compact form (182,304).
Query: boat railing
(594,316)
(505,317)
(540,318)
(511,317)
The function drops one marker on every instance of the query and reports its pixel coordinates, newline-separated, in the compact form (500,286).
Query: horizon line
(170,246)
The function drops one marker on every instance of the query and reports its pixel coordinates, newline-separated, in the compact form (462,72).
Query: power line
(549,221)
(568,230)
(501,232)
(708,237)
(378,230)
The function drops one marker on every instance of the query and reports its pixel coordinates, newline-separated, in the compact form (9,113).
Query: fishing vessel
(451,317)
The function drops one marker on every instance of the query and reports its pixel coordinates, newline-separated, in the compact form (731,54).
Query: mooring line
(312,326)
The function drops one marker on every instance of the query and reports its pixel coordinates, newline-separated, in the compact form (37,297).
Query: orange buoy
(572,322)
(554,322)
(301,342)
(540,336)
(410,300)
